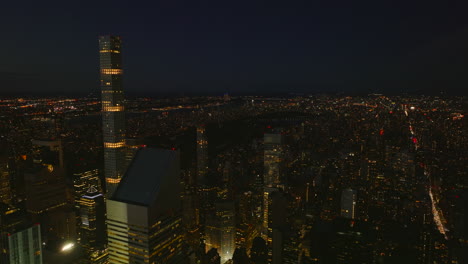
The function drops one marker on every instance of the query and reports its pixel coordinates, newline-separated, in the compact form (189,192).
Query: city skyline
(234,133)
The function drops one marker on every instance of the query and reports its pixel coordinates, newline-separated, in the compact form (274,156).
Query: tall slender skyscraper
(5,182)
(113,116)
(202,155)
(272,159)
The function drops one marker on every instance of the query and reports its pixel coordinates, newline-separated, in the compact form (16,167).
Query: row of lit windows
(114,145)
(111,91)
(113,108)
(109,51)
(111,71)
(112,180)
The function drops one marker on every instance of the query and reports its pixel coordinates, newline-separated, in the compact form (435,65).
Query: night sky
(242,47)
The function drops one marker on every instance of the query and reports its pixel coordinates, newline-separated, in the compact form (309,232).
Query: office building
(93,226)
(272,159)
(5,181)
(48,153)
(47,197)
(221,230)
(131,147)
(202,155)
(348,203)
(20,242)
(274,221)
(25,246)
(113,116)
(144,214)
(82,181)
(259,251)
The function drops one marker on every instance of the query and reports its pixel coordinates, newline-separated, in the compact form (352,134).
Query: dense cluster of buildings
(303,179)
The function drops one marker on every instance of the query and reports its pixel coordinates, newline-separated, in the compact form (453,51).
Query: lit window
(114,145)
(109,51)
(112,180)
(111,71)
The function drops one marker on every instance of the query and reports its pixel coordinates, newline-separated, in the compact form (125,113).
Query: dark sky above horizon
(199,47)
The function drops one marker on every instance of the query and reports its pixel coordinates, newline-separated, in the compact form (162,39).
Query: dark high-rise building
(348,203)
(191,215)
(202,155)
(113,116)
(5,181)
(20,241)
(259,251)
(240,256)
(212,257)
(47,197)
(143,215)
(48,153)
(24,246)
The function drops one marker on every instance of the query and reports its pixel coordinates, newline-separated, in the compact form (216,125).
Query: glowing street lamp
(68,247)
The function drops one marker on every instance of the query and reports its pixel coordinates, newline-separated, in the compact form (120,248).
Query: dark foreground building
(144,221)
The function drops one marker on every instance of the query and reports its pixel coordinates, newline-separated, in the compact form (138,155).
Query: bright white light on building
(68,246)
(412,108)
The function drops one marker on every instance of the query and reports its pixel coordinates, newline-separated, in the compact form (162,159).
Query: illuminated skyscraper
(274,221)
(266,230)
(348,203)
(272,159)
(202,155)
(5,182)
(113,116)
(221,231)
(92,213)
(82,181)
(143,216)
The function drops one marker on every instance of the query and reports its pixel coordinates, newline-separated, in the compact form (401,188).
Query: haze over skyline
(182,47)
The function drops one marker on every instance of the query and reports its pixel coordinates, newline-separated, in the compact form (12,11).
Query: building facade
(202,155)
(144,223)
(348,203)
(92,213)
(221,230)
(272,159)
(25,246)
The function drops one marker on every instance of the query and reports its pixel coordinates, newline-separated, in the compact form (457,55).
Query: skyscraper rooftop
(145,175)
